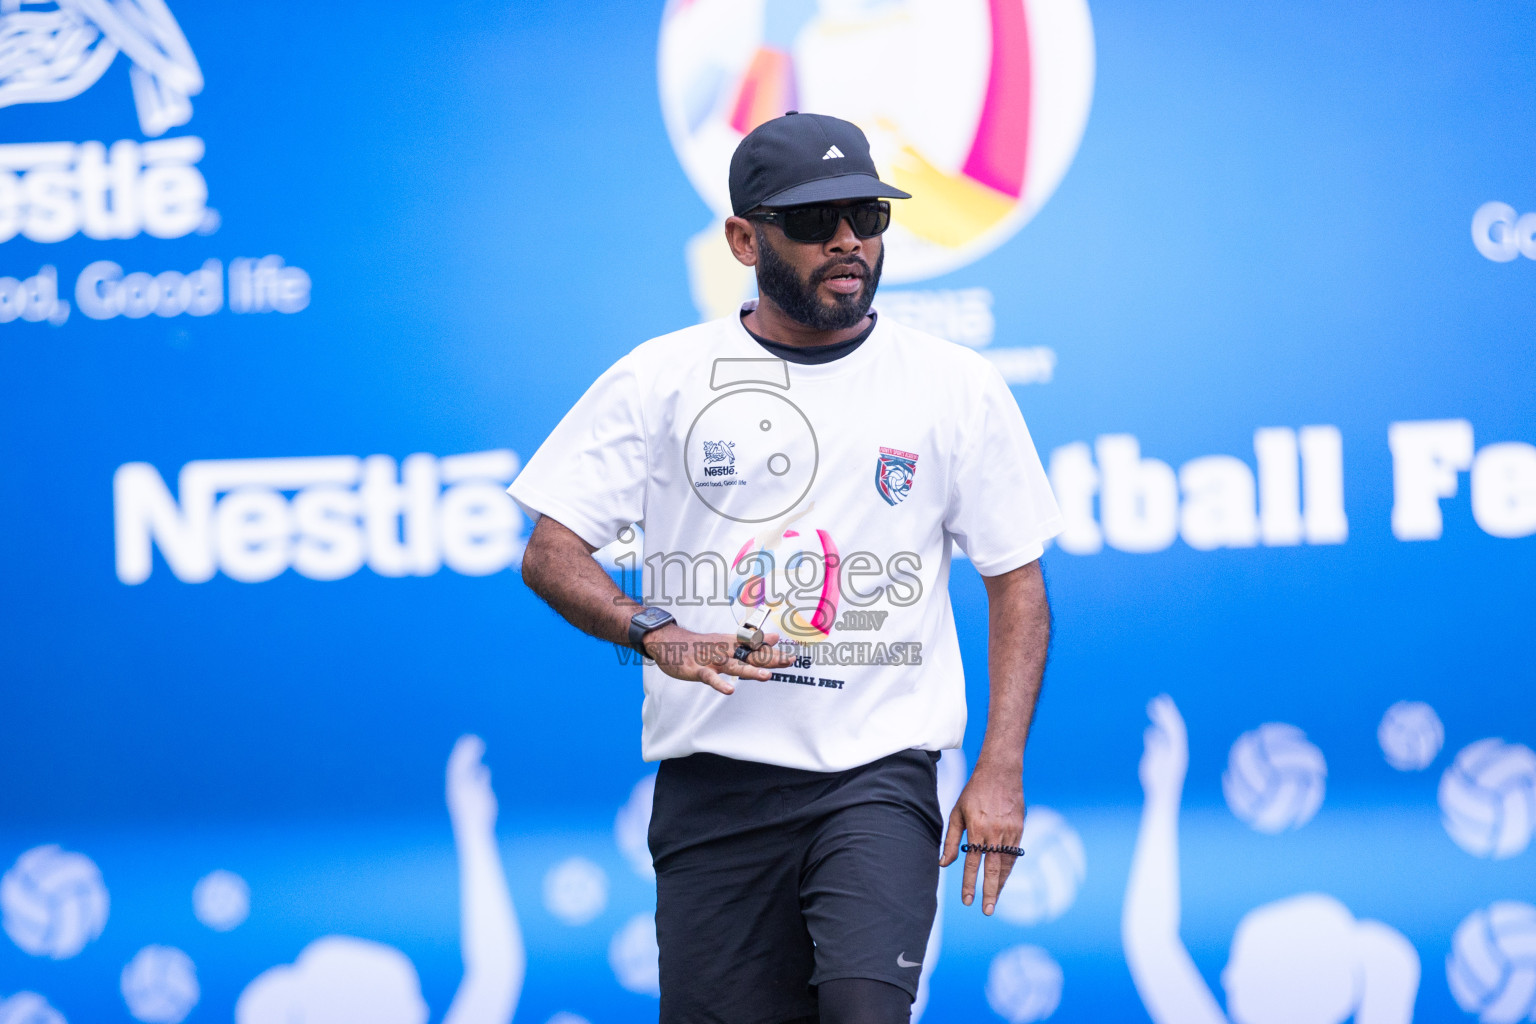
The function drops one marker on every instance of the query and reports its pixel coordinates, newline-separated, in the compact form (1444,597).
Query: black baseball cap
(804,158)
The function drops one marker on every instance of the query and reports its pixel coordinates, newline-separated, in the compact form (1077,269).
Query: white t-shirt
(830,493)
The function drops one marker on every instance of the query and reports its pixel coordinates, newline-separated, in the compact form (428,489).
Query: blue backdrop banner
(289,292)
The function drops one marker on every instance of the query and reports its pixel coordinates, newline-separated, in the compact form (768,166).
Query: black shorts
(771,881)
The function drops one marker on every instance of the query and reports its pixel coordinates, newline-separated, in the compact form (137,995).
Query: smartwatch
(646,620)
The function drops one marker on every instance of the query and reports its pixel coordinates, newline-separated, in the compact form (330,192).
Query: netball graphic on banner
(973,106)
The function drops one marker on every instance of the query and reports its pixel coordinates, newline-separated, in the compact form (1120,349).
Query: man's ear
(741,236)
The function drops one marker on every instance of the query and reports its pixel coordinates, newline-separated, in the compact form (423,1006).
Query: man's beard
(777,280)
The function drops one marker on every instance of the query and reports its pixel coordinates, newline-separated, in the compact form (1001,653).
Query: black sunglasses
(819,223)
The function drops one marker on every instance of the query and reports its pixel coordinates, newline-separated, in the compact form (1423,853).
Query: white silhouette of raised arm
(1165,975)
(492,944)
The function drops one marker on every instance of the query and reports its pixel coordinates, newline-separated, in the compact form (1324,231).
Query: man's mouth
(845,280)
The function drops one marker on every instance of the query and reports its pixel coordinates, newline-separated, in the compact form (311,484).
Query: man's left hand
(990,812)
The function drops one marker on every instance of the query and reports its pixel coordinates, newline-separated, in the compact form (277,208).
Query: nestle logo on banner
(49,191)
(325,517)
(58,53)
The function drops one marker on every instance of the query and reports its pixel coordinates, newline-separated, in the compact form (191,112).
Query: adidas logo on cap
(769,165)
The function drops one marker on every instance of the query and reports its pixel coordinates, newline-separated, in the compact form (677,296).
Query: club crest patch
(894,471)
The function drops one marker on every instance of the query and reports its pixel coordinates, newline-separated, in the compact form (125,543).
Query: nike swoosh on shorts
(902,961)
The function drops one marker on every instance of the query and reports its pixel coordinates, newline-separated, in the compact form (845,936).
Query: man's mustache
(847,264)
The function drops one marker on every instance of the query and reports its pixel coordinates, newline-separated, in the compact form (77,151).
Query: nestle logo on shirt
(719,458)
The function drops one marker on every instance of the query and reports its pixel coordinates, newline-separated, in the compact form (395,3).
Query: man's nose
(844,242)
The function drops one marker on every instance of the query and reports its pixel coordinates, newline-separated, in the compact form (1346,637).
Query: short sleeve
(590,473)
(1001,509)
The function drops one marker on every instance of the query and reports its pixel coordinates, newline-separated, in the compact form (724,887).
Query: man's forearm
(559,567)
(1019,634)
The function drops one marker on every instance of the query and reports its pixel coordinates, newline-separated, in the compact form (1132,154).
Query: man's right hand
(707,657)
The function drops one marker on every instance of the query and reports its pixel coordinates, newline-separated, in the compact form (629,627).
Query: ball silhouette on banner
(1024,984)
(1488,798)
(634,956)
(1410,735)
(160,985)
(29,1008)
(1274,778)
(575,890)
(1045,880)
(1492,964)
(53,902)
(221,900)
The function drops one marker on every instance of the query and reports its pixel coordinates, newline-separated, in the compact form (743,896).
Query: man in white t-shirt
(802,472)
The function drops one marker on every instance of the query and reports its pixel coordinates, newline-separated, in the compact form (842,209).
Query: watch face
(649,618)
